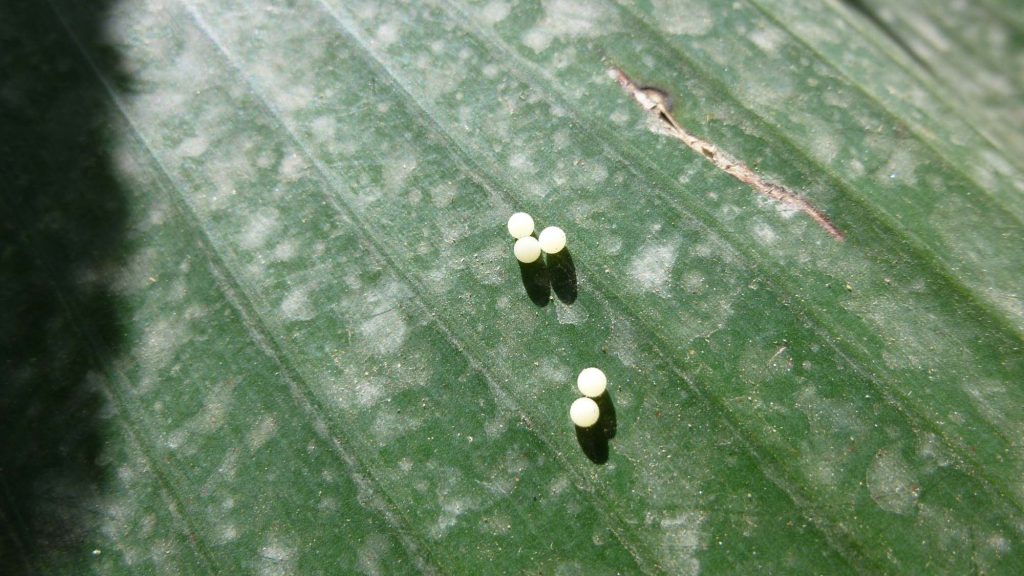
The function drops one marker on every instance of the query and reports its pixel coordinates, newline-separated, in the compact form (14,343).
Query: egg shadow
(593,443)
(607,422)
(550,273)
(562,271)
(536,281)
(593,440)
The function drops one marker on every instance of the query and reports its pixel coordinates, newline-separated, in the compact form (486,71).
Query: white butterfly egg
(592,382)
(552,239)
(520,225)
(584,412)
(527,250)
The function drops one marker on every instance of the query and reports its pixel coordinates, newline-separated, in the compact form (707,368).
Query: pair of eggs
(527,249)
(584,411)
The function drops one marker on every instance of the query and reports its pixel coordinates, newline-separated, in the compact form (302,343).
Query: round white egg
(592,382)
(527,250)
(520,225)
(584,412)
(552,239)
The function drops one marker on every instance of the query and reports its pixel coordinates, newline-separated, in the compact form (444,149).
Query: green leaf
(263,314)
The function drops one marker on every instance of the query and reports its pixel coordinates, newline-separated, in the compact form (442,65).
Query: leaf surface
(326,361)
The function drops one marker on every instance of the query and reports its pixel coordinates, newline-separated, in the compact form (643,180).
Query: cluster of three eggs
(527,249)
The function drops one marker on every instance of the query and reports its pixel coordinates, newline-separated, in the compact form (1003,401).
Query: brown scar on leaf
(658,103)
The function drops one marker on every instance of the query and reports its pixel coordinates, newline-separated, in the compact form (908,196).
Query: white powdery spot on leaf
(765,233)
(558,486)
(822,451)
(914,332)
(291,97)
(369,391)
(552,371)
(497,426)
(450,514)
(569,19)
(902,166)
(285,250)
(931,450)
(388,426)
(262,432)
(685,17)
(957,221)
(621,342)
(325,129)
(442,195)
(296,306)
(226,533)
(385,331)
(387,34)
(276,558)
(261,226)
(620,117)
(210,418)
(292,167)
(694,282)
(454,502)
(574,314)
(998,543)
(651,268)
(520,162)
(769,91)
(929,31)
(135,276)
(767,39)
(384,325)
(372,551)
(488,264)
(1001,408)
(192,147)
(398,170)
(494,12)
(161,342)
(680,541)
(890,484)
